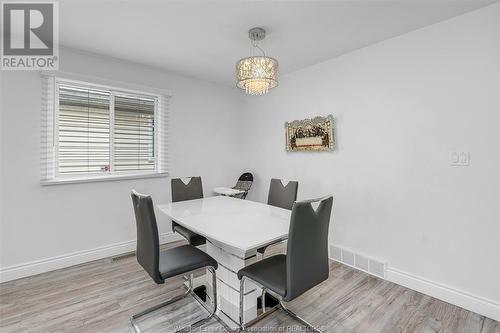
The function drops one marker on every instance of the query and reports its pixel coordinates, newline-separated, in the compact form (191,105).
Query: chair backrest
(282,196)
(148,245)
(245,182)
(247,176)
(189,191)
(244,185)
(307,249)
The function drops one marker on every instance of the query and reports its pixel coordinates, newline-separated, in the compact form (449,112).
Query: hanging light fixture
(257,74)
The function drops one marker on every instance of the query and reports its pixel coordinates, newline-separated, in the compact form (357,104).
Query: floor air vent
(123,256)
(358,261)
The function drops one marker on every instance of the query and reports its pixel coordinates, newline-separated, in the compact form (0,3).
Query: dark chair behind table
(282,196)
(182,192)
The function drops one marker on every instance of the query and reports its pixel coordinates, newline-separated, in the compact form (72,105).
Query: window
(94,132)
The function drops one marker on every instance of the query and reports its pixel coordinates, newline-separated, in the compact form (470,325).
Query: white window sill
(107,178)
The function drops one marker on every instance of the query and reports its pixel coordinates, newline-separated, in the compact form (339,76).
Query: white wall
(1,157)
(401,106)
(41,222)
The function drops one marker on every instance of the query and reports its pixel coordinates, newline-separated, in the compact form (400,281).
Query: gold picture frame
(315,134)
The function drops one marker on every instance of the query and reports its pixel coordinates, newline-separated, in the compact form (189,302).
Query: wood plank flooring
(100,297)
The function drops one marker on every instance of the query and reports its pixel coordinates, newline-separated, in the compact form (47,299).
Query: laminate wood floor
(101,296)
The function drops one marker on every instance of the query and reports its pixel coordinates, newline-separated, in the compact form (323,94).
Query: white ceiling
(204,39)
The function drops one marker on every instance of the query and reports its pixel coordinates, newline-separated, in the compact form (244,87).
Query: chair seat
(183,259)
(193,238)
(269,272)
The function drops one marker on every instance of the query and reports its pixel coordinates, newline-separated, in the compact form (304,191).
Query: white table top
(227,191)
(238,226)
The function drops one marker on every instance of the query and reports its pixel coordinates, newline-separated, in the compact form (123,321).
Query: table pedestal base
(228,286)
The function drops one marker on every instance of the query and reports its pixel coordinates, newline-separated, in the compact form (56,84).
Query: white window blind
(134,133)
(83,130)
(93,131)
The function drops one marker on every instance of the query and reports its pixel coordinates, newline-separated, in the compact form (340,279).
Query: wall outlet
(459,158)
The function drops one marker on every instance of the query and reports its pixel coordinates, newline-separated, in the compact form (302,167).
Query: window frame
(112,174)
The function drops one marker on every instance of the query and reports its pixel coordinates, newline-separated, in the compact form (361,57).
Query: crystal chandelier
(257,74)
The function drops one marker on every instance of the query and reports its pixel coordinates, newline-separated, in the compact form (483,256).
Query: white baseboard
(474,303)
(49,264)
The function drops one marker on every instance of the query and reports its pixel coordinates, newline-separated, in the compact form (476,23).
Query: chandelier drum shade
(257,74)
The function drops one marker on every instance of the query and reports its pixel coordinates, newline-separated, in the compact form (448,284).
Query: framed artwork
(315,134)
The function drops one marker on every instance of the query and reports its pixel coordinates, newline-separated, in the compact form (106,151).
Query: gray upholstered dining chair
(305,264)
(281,196)
(181,192)
(161,265)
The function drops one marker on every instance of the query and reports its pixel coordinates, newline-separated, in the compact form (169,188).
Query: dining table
(234,229)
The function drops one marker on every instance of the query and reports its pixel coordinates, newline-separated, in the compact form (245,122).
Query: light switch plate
(459,158)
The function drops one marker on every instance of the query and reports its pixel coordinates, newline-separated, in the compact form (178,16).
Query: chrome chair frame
(189,291)
(243,325)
